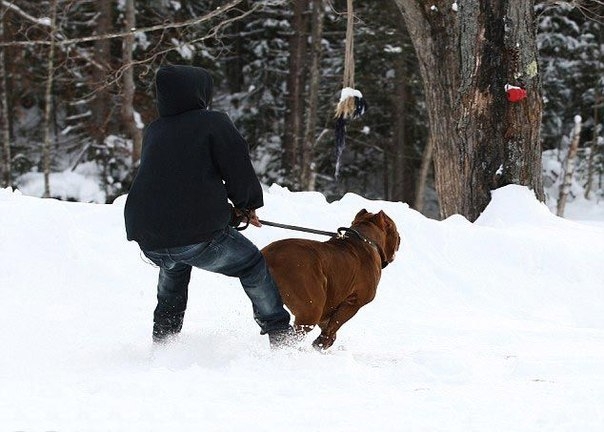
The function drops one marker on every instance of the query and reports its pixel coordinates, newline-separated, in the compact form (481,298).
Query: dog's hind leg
(329,327)
(302,330)
(306,300)
(305,320)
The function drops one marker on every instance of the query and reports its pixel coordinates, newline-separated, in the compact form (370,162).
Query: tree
(62,73)
(307,174)
(571,43)
(128,117)
(383,146)
(295,90)
(100,104)
(48,98)
(402,158)
(4,125)
(467,54)
(569,167)
(260,53)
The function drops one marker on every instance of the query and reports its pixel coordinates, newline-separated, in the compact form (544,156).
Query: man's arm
(231,156)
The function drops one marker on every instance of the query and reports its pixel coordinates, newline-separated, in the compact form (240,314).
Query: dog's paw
(323,342)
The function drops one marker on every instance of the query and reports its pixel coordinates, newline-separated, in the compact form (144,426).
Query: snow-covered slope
(492,326)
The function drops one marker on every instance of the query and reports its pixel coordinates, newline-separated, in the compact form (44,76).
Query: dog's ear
(361,213)
(381,220)
(393,238)
(359,216)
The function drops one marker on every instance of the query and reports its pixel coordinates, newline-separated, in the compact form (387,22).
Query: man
(193,161)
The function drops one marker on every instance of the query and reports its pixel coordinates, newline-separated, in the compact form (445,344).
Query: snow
(510,87)
(76,185)
(495,325)
(138,120)
(141,40)
(186,50)
(349,92)
(393,49)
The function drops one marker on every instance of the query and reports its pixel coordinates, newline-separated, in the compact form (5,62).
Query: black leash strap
(298,228)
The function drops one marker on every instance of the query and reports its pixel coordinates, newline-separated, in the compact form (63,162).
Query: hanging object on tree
(515,93)
(351,104)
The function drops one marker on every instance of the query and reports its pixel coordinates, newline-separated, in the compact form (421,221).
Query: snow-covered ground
(496,325)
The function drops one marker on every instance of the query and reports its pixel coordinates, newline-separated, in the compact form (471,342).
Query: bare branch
(19,11)
(217,12)
(116,76)
(591,9)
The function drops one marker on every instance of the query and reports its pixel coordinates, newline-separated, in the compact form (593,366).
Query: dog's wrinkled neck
(344,233)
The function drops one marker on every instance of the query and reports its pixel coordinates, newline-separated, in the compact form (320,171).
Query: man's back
(192,161)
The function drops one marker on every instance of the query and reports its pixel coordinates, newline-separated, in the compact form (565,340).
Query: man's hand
(244,216)
(253,218)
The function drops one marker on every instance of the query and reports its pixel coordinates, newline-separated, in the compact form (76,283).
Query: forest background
(77,90)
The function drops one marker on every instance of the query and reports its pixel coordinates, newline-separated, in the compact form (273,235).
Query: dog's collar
(343,233)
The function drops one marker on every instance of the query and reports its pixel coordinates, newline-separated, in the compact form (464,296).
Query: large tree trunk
(467,56)
(294,120)
(435,37)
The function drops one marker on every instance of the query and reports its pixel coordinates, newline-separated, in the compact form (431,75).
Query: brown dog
(326,283)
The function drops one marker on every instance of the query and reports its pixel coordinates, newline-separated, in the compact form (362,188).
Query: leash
(302,229)
(342,233)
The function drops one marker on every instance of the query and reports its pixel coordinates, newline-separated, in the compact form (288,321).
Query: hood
(182,88)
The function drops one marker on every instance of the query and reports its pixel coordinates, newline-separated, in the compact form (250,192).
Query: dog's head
(389,240)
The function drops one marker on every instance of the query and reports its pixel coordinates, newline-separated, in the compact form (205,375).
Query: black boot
(283,338)
(166,327)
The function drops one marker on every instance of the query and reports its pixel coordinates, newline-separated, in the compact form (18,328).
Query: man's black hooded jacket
(192,160)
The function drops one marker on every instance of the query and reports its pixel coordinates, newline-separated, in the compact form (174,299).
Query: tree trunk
(423,176)
(569,167)
(593,149)
(235,63)
(294,121)
(4,125)
(307,177)
(467,56)
(435,37)
(128,118)
(48,99)
(403,166)
(100,106)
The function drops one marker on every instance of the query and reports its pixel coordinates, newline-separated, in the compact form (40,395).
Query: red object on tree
(515,94)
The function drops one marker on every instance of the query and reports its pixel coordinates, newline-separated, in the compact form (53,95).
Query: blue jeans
(230,254)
